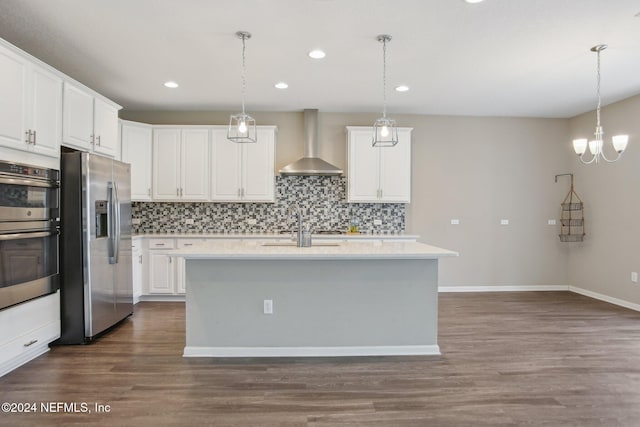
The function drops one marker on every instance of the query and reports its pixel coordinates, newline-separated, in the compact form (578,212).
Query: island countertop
(351,250)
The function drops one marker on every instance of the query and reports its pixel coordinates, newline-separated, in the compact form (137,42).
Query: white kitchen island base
(323,304)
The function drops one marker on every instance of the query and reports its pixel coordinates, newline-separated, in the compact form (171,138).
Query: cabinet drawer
(161,244)
(26,342)
(29,316)
(190,243)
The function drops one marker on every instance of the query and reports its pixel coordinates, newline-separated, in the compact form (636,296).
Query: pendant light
(596,145)
(385,132)
(242,127)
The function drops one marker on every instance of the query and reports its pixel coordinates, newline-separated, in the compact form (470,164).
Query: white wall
(611,193)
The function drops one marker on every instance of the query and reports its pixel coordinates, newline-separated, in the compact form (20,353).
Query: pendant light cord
(244,83)
(384,77)
(598,92)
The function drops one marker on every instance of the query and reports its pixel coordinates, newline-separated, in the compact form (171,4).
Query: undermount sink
(293,244)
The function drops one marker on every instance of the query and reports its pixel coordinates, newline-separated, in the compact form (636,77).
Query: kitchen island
(334,299)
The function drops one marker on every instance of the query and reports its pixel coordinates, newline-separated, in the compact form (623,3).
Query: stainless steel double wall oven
(29,231)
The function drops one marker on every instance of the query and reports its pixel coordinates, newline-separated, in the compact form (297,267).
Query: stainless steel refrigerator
(96,290)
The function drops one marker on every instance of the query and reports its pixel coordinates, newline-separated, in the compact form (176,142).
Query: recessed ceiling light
(317,54)
(171,84)
(402,88)
(281,85)
(474,1)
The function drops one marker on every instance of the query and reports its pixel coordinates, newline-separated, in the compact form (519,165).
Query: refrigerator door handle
(116,209)
(111,226)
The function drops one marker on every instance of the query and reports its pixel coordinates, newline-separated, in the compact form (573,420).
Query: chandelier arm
(610,161)
(594,158)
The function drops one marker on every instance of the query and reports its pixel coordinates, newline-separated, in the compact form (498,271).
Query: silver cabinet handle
(92,139)
(181,192)
(35,138)
(188,244)
(28,138)
(30,343)
(177,192)
(238,192)
(98,139)
(158,244)
(169,260)
(139,259)
(149,191)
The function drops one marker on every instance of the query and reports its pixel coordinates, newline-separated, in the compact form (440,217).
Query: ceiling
(496,58)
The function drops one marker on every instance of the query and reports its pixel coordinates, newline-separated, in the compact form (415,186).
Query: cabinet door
(225,167)
(46,111)
(395,170)
(136,271)
(13,87)
(166,161)
(77,118)
(136,150)
(161,273)
(194,167)
(364,166)
(105,128)
(258,169)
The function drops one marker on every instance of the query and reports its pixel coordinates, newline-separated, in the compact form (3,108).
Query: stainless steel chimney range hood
(310,164)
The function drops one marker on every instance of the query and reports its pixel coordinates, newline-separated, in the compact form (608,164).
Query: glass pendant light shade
(580,146)
(620,142)
(385,132)
(242,127)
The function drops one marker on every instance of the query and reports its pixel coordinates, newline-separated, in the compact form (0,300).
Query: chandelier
(242,127)
(596,145)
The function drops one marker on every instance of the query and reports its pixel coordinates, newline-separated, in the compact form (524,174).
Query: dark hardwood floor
(508,359)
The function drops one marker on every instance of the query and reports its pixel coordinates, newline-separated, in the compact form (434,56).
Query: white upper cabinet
(30,111)
(136,141)
(180,164)
(378,174)
(89,123)
(243,172)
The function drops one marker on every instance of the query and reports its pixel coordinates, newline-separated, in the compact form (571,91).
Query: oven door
(28,199)
(28,265)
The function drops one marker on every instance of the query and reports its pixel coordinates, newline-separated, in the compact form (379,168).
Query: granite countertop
(364,250)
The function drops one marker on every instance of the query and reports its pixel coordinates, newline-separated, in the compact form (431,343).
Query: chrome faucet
(295,209)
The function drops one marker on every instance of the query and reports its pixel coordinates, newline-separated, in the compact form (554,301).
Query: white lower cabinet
(162,271)
(33,325)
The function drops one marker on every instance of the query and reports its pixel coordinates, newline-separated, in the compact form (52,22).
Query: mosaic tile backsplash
(321,200)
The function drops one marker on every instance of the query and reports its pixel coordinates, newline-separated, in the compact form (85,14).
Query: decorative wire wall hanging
(572,217)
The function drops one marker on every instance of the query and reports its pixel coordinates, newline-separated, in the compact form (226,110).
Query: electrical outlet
(504,222)
(634,277)
(252,221)
(268,306)
(188,221)
(377,222)
(455,222)
(135,221)
(551,222)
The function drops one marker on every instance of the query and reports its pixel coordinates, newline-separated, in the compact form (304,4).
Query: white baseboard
(162,298)
(397,350)
(605,298)
(509,288)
